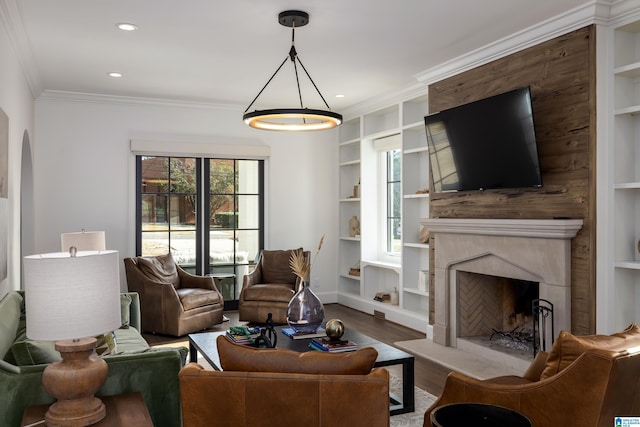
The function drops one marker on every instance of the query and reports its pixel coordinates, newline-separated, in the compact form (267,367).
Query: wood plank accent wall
(561,74)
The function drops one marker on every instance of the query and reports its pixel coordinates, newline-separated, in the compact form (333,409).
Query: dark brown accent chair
(269,287)
(172,301)
(280,387)
(584,381)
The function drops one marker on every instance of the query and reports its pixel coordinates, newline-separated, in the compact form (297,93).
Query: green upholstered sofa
(133,367)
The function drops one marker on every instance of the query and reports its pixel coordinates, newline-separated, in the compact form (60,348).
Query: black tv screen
(486,144)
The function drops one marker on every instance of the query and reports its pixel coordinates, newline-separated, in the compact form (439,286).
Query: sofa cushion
(269,292)
(191,298)
(276,268)
(236,357)
(567,347)
(129,340)
(125,310)
(160,269)
(11,307)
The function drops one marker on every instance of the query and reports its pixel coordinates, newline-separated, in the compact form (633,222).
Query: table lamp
(83,240)
(71,299)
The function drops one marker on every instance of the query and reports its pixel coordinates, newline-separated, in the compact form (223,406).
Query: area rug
(423,400)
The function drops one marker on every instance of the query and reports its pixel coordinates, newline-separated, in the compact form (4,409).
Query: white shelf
(381,264)
(415,126)
(350,142)
(630,70)
(350,199)
(352,239)
(416,196)
(627,186)
(631,265)
(416,245)
(416,291)
(416,150)
(350,163)
(349,276)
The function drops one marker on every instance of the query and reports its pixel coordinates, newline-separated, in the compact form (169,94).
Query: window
(207,212)
(389,195)
(394,202)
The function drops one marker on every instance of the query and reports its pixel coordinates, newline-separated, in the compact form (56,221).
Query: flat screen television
(486,144)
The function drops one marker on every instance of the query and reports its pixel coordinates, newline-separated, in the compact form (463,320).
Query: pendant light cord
(293,55)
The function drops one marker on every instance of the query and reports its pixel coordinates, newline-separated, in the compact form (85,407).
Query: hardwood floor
(429,376)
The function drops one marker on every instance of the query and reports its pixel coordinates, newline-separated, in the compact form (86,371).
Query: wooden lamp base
(73,382)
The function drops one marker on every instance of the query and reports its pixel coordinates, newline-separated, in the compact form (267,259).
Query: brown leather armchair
(574,385)
(172,301)
(269,287)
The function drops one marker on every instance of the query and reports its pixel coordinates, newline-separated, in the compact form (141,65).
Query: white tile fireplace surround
(528,249)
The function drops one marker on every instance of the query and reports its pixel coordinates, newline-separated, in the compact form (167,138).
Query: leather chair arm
(164,295)
(188,280)
(253,278)
(570,397)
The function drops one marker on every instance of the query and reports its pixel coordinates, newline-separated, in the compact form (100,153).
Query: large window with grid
(209,213)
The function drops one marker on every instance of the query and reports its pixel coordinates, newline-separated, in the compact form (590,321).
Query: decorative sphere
(334,329)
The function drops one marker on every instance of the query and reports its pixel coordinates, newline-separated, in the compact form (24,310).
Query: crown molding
(623,11)
(11,18)
(408,91)
(94,98)
(597,11)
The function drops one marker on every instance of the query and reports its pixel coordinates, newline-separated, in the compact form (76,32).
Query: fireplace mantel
(541,228)
(529,249)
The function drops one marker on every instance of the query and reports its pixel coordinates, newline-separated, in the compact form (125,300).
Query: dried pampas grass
(299,266)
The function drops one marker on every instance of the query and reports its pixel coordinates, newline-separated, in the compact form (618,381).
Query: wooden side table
(123,410)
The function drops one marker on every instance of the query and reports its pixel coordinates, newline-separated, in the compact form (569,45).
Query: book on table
(332,346)
(243,335)
(291,333)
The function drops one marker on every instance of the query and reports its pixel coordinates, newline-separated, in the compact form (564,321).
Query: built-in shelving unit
(625,295)
(409,275)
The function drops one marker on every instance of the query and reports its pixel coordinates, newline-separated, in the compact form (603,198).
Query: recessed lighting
(114,74)
(339,96)
(126,26)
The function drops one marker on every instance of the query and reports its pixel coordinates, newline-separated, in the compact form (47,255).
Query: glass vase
(305,312)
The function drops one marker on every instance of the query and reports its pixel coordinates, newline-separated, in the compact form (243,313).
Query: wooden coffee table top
(205,344)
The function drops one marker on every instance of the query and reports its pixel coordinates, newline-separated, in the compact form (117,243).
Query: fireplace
(526,251)
(497,309)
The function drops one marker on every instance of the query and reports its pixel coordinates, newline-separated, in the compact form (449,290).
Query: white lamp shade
(83,241)
(71,297)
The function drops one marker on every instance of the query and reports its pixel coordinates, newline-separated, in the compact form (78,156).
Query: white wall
(17,102)
(85,172)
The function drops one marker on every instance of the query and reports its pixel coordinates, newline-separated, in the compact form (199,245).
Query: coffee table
(205,344)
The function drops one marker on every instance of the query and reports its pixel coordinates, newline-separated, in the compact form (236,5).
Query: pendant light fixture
(292,119)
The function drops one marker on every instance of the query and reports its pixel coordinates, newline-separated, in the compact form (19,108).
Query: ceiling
(223,52)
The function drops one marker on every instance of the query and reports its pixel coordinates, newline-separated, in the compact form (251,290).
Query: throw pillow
(236,357)
(28,352)
(106,344)
(160,269)
(567,347)
(125,310)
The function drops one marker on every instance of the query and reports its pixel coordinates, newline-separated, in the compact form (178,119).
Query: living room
(72,161)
